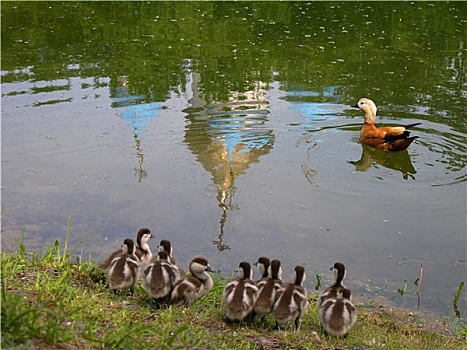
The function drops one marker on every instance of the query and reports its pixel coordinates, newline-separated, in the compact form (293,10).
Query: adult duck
(392,138)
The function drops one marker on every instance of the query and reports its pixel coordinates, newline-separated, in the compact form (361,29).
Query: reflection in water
(226,138)
(399,161)
(310,104)
(137,113)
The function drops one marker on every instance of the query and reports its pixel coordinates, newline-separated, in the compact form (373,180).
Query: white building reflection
(226,138)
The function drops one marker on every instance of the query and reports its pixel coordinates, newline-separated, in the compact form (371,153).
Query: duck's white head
(368,107)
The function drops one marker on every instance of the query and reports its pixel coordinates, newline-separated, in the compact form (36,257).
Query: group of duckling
(245,300)
(164,281)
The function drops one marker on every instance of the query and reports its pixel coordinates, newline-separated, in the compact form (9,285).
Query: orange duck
(392,138)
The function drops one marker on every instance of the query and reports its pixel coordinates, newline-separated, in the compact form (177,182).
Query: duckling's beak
(331,268)
(255,263)
(208,268)
(152,236)
(355,106)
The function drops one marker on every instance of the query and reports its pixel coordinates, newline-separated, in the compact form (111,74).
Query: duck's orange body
(392,138)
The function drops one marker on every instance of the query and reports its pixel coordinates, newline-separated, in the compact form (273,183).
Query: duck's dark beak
(354,106)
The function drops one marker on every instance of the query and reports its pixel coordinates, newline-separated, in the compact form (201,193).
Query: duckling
(123,269)
(267,288)
(143,252)
(392,138)
(337,314)
(240,295)
(193,286)
(291,300)
(339,273)
(159,278)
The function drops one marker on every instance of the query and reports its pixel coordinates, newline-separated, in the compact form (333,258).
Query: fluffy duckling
(240,295)
(339,272)
(335,309)
(142,250)
(159,278)
(291,301)
(392,138)
(267,289)
(263,267)
(123,269)
(337,314)
(195,285)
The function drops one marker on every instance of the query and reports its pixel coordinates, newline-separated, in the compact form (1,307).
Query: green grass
(48,301)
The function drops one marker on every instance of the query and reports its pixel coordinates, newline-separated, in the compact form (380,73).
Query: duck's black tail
(411,125)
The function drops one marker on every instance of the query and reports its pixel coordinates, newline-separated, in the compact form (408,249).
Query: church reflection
(399,161)
(137,112)
(226,138)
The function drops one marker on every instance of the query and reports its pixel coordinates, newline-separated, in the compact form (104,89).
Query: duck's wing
(393,133)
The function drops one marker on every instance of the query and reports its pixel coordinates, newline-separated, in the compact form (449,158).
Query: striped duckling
(335,308)
(159,278)
(267,289)
(142,250)
(291,301)
(123,269)
(240,295)
(195,285)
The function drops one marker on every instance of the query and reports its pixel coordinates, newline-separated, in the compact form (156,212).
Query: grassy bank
(51,302)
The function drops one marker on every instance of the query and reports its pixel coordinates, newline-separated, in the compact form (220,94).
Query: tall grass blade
(456,298)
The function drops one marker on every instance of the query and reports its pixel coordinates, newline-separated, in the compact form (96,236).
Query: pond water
(226,128)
